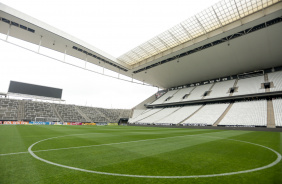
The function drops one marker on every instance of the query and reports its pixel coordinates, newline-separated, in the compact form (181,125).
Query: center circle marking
(279,157)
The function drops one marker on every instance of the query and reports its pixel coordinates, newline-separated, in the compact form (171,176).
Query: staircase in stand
(21,110)
(209,90)
(270,115)
(56,112)
(83,115)
(106,118)
(235,84)
(191,115)
(223,114)
(148,116)
(266,80)
(168,114)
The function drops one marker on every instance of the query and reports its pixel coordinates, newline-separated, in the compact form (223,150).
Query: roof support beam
(104,68)
(65,53)
(123,59)
(174,37)
(238,12)
(201,26)
(187,33)
(138,55)
(165,44)
(263,10)
(39,45)
(129,57)
(156,49)
(8,33)
(144,50)
(221,25)
(85,61)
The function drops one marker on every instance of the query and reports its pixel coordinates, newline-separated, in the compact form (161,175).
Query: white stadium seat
(207,115)
(276,78)
(179,115)
(277,107)
(249,113)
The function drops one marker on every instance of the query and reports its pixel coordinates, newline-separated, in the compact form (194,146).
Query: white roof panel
(220,14)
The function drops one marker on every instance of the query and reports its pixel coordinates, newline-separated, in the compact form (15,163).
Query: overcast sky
(113,26)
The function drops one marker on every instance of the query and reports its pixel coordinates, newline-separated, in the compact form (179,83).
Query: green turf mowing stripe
(157,176)
(23,168)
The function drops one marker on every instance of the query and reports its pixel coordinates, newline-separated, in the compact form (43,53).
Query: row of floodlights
(17,25)
(99,58)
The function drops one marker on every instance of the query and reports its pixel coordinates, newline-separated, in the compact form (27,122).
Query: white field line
(109,144)
(16,153)
(279,157)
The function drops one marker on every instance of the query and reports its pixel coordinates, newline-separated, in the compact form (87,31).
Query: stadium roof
(215,17)
(241,36)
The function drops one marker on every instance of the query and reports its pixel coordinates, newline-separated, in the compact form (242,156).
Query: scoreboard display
(36,90)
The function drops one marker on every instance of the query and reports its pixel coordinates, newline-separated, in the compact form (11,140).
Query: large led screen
(36,90)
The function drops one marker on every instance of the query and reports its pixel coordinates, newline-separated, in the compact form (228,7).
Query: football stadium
(215,118)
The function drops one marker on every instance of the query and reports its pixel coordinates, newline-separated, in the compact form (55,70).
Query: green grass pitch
(74,154)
